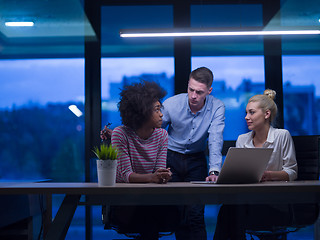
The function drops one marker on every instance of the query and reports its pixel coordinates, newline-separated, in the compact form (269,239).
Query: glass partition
(42,94)
(42,119)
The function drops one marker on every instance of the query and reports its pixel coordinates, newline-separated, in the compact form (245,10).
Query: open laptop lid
(244,165)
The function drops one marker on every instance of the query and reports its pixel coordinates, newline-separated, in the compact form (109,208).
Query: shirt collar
(270,138)
(249,143)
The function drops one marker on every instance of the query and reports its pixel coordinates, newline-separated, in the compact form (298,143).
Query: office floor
(77,232)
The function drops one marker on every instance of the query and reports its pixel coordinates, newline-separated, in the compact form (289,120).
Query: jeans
(186,168)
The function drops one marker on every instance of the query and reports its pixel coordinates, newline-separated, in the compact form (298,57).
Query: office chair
(302,215)
(131,221)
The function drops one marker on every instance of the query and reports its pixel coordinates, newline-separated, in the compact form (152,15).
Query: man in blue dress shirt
(194,119)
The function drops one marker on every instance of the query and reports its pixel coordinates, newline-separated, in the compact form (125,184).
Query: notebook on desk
(243,165)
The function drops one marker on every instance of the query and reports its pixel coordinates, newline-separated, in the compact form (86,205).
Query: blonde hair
(266,102)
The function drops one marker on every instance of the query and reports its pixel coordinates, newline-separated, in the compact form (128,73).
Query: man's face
(197,93)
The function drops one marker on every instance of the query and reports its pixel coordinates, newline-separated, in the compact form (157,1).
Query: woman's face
(156,116)
(256,118)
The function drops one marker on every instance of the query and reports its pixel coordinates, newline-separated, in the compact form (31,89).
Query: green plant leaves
(106,152)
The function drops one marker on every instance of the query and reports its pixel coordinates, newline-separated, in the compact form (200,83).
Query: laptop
(243,165)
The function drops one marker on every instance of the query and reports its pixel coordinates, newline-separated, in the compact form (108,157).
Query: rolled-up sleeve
(289,157)
(124,169)
(215,139)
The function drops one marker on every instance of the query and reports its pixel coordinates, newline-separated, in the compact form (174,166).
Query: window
(236,79)
(236,62)
(130,60)
(301,91)
(40,137)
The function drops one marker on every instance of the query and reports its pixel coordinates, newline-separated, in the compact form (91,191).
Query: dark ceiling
(62,25)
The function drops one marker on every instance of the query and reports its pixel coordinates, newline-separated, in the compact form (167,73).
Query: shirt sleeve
(241,141)
(289,156)
(215,139)
(124,169)
(165,112)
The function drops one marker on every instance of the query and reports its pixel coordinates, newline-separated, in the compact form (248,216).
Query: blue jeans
(186,168)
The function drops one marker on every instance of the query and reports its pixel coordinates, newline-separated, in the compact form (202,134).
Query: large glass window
(42,122)
(117,72)
(42,80)
(301,91)
(236,62)
(236,79)
(129,60)
(41,137)
(300,61)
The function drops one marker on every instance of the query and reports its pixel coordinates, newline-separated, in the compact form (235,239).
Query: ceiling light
(203,33)
(19,24)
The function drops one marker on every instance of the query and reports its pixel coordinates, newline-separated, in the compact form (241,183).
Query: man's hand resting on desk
(212,178)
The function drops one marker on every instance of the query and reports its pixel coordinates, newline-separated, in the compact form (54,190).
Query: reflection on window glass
(236,79)
(115,18)
(117,72)
(226,15)
(40,137)
(301,91)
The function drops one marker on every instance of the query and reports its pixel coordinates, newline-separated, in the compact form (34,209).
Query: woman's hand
(161,175)
(105,133)
(274,176)
(266,176)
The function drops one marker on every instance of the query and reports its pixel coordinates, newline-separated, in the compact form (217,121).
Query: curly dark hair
(136,102)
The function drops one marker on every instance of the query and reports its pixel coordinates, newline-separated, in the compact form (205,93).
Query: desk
(162,194)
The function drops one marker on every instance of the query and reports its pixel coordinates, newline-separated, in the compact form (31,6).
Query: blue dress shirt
(189,132)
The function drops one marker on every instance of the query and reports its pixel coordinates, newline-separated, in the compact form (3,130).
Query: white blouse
(283,157)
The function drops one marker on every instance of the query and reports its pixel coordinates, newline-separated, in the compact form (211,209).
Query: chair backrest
(134,220)
(307,153)
(226,146)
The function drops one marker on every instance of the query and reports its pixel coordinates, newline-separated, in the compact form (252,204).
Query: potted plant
(106,164)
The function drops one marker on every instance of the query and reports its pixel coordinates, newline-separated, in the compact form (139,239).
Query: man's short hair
(202,75)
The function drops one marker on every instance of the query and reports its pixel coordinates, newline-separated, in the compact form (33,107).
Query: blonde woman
(233,220)
(261,112)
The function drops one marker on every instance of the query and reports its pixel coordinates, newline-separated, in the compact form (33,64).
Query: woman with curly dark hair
(142,146)
(141,141)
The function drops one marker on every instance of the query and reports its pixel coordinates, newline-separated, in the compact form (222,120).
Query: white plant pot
(107,170)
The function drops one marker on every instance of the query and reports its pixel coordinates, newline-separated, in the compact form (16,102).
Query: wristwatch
(214,173)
